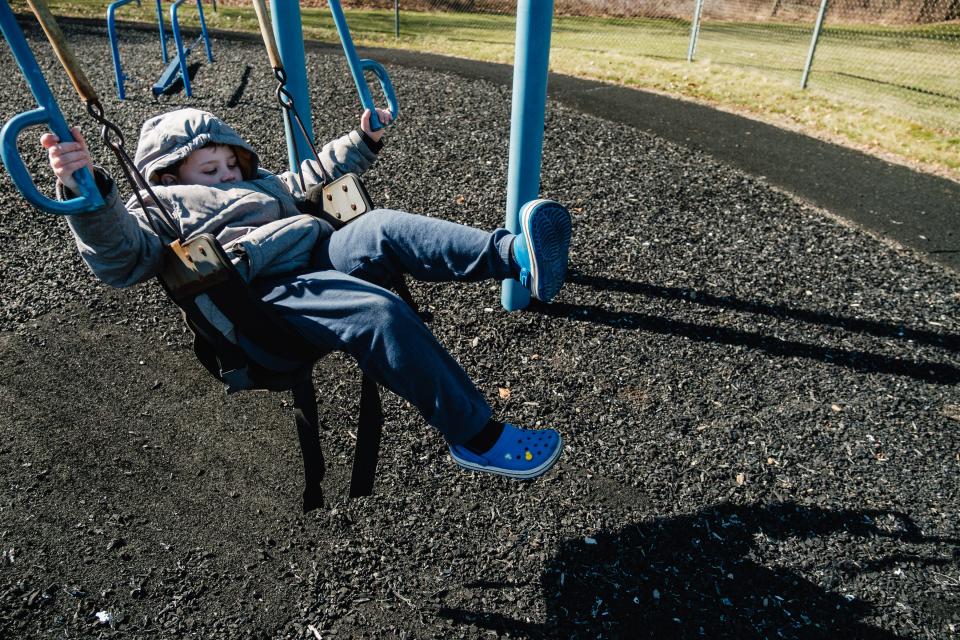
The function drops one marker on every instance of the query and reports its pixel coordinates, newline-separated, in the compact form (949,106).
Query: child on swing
(324,282)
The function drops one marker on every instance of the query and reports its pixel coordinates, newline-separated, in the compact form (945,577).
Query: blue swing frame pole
(531,62)
(358,66)
(163,36)
(114,47)
(288,32)
(48,113)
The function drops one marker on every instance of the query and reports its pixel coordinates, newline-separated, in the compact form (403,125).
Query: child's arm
(354,152)
(116,243)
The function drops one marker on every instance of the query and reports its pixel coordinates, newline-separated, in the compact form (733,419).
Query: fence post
(694,29)
(813,43)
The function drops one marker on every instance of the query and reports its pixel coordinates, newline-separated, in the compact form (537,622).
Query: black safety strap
(314,467)
(369,431)
(254,319)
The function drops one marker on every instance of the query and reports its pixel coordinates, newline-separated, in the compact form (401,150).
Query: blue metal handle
(90,198)
(47,113)
(367,101)
(358,66)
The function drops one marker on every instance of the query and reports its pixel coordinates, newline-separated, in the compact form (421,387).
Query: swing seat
(173,70)
(170,73)
(198,267)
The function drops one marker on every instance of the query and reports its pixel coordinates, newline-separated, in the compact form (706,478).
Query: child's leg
(390,343)
(384,244)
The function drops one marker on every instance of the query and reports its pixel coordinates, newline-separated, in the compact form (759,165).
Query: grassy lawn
(886,90)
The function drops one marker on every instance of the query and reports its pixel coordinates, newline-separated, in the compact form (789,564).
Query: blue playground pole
(47,113)
(183,52)
(114,48)
(163,36)
(531,60)
(357,68)
(288,32)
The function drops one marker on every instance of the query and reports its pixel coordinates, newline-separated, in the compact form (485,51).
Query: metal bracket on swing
(342,199)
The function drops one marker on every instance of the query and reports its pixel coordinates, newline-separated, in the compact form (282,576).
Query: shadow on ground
(854,359)
(700,575)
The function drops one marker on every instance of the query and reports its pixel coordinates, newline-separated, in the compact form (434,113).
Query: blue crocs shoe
(541,248)
(518,453)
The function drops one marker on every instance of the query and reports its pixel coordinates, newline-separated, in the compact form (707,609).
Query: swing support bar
(47,113)
(288,34)
(358,66)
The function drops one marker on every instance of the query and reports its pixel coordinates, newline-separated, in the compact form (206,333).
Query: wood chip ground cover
(759,404)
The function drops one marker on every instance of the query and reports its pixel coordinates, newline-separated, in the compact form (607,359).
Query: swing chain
(112,137)
(285,98)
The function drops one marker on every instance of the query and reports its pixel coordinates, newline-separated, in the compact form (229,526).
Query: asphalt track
(916,210)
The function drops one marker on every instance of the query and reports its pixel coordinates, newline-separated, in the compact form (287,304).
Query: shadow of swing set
(198,266)
(708,574)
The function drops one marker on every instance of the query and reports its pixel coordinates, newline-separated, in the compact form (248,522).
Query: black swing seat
(200,266)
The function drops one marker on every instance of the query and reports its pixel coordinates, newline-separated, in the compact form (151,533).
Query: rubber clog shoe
(518,453)
(542,247)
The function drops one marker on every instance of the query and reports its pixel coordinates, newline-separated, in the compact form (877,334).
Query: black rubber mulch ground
(760,406)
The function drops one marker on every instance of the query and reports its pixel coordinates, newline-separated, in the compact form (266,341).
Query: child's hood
(170,137)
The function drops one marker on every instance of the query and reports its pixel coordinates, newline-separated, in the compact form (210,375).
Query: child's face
(208,166)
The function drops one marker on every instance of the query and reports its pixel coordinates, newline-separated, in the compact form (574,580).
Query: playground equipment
(287,47)
(197,266)
(173,69)
(48,112)
(359,66)
(530,67)
(343,198)
(534,21)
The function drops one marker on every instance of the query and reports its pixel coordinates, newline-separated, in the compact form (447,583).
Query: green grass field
(890,91)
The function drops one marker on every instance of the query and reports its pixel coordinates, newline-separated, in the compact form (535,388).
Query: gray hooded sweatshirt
(256,220)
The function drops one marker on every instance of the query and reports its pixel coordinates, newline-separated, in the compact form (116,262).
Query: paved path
(917,210)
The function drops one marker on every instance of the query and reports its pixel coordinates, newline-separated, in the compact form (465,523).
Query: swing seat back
(199,266)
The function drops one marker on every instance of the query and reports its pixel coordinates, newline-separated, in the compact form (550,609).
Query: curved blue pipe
(358,66)
(47,113)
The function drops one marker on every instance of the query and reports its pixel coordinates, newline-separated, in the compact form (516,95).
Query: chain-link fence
(896,55)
